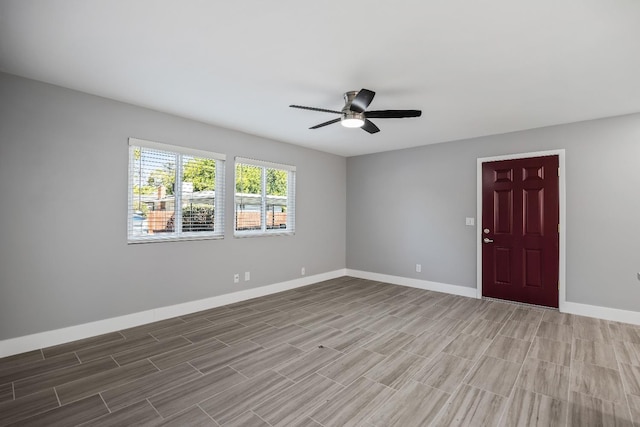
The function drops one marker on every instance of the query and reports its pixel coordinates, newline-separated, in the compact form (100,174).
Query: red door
(520,217)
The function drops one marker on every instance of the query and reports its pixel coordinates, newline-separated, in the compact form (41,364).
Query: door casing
(562,207)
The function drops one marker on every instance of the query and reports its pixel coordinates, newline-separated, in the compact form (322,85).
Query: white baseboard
(72,333)
(60,336)
(606,313)
(415,283)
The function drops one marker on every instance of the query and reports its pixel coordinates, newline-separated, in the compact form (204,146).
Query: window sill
(242,235)
(181,238)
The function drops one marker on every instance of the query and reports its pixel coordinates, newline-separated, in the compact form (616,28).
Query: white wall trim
(60,336)
(605,313)
(562,195)
(579,309)
(415,283)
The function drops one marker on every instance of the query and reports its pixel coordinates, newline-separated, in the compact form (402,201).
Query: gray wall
(409,206)
(64,258)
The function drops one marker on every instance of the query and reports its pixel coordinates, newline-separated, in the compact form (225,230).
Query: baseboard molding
(415,283)
(60,336)
(72,333)
(606,313)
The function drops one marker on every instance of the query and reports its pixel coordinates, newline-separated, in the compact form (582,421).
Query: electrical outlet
(247,276)
(470,221)
(418,268)
(303,271)
(236,278)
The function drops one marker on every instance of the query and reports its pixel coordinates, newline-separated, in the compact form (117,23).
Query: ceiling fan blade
(330,122)
(370,127)
(315,109)
(392,114)
(362,100)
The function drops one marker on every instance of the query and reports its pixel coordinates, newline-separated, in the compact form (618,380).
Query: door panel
(520,210)
(533,267)
(533,212)
(503,265)
(503,219)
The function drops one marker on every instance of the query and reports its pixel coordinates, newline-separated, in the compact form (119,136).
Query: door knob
(487,240)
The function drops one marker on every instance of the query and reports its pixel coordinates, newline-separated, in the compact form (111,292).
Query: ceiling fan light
(352,119)
(352,122)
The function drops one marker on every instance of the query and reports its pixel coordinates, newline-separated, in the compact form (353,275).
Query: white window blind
(264,198)
(175,193)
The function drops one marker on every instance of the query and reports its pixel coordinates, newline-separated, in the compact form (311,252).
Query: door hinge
(558,171)
(558,285)
(558,228)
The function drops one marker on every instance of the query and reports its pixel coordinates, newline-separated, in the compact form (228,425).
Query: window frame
(291,196)
(178,234)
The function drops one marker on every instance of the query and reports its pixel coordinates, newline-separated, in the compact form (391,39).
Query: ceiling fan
(354,114)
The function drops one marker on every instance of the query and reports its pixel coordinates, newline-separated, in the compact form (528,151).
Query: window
(175,193)
(264,198)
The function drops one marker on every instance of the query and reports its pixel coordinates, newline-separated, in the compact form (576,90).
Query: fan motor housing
(348,97)
(351,115)
(354,118)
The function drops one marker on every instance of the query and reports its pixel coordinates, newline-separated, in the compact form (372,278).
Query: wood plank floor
(345,352)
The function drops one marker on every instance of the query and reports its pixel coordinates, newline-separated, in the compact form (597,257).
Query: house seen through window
(264,198)
(175,193)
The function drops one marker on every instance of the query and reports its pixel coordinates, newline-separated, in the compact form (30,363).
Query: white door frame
(562,193)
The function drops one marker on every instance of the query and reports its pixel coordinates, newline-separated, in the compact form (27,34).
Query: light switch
(471,221)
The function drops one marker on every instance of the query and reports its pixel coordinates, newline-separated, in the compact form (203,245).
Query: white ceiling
(473,67)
